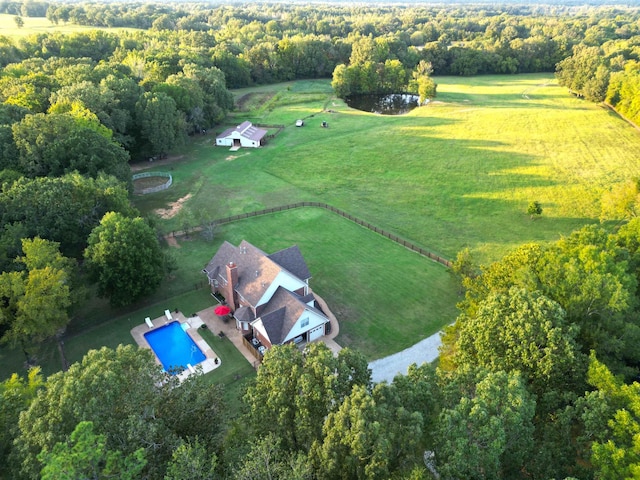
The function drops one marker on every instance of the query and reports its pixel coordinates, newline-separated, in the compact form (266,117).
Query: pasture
(457,173)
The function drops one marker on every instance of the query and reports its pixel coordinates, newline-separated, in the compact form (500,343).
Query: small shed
(244,135)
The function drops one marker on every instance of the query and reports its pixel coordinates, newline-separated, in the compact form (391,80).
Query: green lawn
(234,371)
(457,173)
(386,297)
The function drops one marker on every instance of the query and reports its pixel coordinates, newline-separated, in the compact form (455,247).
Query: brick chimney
(232,282)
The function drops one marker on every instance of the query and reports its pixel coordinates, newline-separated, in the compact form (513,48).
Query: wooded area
(537,378)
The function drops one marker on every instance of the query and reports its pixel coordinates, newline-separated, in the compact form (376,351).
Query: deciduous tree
(161,124)
(355,444)
(37,299)
(614,410)
(57,144)
(63,209)
(191,461)
(85,455)
(130,401)
(489,432)
(16,394)
(525,332)
(124,257)
(286,382)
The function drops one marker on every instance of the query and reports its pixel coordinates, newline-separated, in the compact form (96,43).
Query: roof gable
(285,308)
(274,324)
(246,130)
(291,259)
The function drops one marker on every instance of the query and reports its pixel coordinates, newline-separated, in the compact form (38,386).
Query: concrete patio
(211,361)
(217,325)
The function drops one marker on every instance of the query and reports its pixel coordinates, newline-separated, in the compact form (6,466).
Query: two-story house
(268,294)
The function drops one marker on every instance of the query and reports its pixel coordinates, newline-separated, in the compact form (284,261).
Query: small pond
(385,104)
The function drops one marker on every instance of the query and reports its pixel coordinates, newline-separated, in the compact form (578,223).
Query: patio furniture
(148,322)
(167,314)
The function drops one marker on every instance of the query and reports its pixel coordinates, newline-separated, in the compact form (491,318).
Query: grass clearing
(386,297)
(234,371)
(457,173)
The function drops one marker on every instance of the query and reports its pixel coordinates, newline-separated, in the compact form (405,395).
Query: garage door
(315,333)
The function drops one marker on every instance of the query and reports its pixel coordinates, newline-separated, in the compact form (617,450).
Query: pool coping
(207,365)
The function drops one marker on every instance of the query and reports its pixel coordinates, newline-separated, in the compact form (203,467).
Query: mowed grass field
(457,173)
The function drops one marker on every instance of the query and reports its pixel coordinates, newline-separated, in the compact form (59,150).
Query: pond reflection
(386,104)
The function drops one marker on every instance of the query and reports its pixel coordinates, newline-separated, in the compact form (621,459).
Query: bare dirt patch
(141,184)
(233,157)
(173,209)
(172,241)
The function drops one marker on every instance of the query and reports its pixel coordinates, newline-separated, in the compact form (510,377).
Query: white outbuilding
(244,135)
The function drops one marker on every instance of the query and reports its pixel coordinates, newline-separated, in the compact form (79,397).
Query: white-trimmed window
(304,322)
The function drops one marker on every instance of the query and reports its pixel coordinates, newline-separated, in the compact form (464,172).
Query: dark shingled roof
(215,269)
(244,314)
(256,269)
(274,323)
(285,308)
(292,260)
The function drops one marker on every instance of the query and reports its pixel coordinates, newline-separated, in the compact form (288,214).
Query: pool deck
(217,325)
(206,366)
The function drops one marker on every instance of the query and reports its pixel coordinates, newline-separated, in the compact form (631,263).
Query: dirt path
(174,208)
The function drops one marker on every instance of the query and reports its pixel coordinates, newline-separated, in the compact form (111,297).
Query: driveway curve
(384,369)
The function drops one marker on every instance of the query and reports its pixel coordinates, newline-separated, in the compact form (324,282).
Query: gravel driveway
(388,367)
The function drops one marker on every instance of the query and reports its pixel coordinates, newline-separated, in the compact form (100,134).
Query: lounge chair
(148,322)
(167,314)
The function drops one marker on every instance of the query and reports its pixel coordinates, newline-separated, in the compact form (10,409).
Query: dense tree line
(283,42)
(377,48)
(74,111)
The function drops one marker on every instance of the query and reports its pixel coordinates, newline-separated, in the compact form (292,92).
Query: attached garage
(316,333)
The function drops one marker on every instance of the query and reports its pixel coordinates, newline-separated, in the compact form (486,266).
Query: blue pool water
(174,347)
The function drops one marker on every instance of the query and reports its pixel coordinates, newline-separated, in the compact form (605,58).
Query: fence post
(343,214)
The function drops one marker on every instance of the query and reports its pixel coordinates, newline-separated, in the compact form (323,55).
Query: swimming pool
(174,348)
